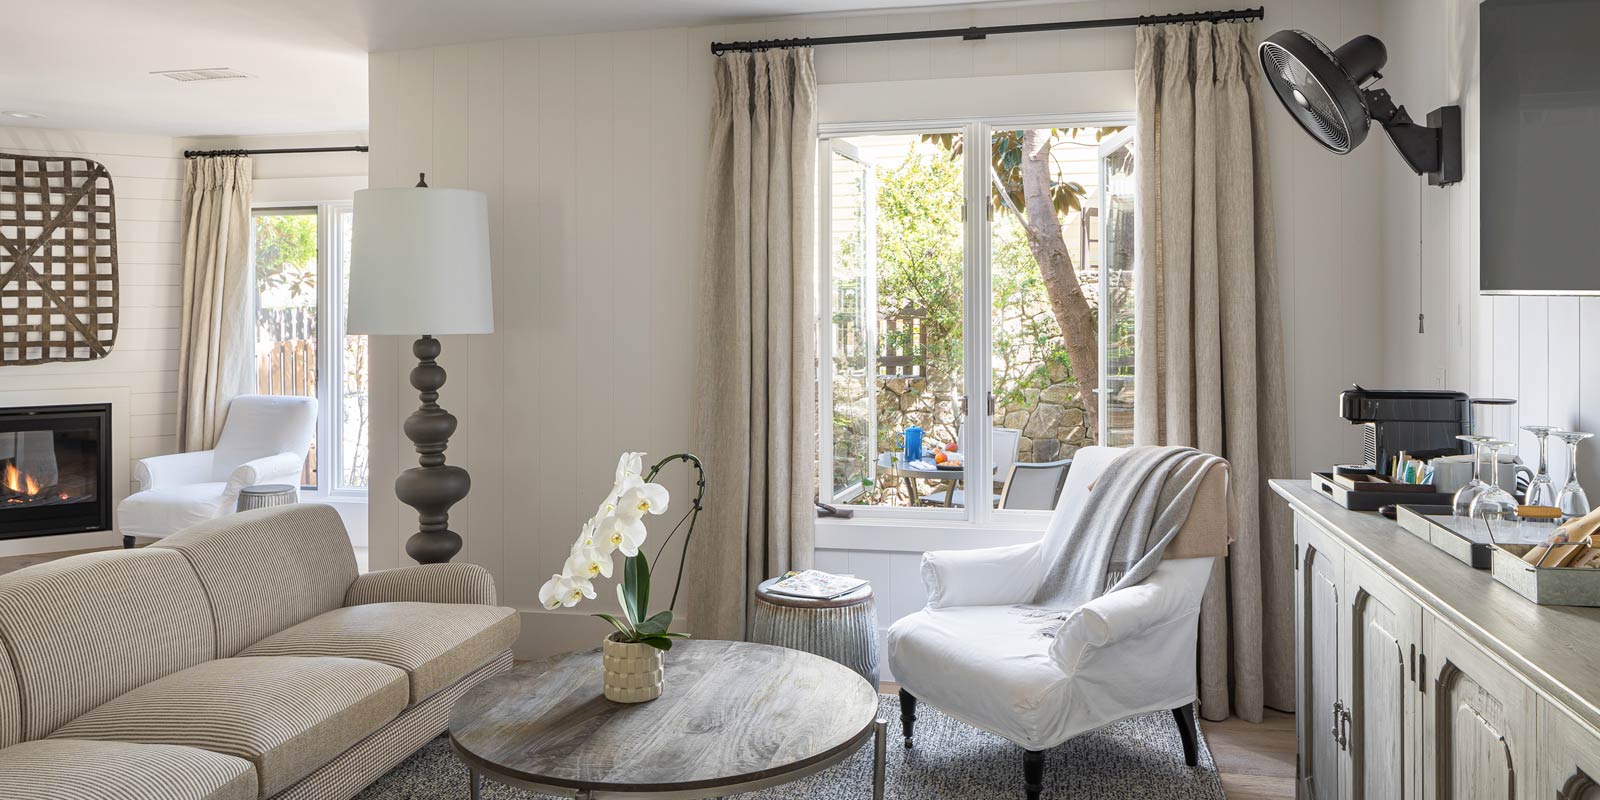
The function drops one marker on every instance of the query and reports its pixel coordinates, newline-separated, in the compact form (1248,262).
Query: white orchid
(630,465)
(588,563)
(565,591)
(644,498)
(624,531)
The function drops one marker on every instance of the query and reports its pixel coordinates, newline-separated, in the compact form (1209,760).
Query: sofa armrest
(1172,593)
(277,468)
(424,583)
(176,469)
(992,576)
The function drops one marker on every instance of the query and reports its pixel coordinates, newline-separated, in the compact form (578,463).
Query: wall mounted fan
(1326,92)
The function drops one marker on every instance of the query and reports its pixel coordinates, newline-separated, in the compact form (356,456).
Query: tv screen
(1539,150)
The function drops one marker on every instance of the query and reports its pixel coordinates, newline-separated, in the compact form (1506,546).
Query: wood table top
(731,713)
(1557,647)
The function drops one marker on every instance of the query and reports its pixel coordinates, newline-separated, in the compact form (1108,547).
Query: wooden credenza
(1420,677)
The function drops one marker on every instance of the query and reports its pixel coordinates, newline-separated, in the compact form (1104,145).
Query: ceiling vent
(211,74)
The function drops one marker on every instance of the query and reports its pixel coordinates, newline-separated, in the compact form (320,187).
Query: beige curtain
(756,418)
(1210,356)
(216,343)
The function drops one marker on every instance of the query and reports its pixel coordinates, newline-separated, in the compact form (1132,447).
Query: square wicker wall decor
(58,260)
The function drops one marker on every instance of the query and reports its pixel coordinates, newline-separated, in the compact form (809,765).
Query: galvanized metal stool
(842,629)
(267,494)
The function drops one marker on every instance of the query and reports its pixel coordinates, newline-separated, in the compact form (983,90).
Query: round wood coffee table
(735,717)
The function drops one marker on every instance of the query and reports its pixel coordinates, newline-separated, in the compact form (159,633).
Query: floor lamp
(419,266)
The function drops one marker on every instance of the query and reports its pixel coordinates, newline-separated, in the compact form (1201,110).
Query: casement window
(983,295)
(301,263)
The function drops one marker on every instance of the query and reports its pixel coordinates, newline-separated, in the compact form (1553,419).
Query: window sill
(883,534)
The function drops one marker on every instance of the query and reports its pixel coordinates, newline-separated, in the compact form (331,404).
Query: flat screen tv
(1539,151)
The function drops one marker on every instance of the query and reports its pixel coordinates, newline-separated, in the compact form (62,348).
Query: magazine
(816,585)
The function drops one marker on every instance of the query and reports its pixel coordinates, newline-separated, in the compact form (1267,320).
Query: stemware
(1571,500)
(1461,506)
(1495,503)
(1542,489)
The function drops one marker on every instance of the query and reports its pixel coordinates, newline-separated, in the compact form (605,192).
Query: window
(950,273)
(302,272)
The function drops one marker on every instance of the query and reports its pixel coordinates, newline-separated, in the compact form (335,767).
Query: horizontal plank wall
(148,174)
(592,150)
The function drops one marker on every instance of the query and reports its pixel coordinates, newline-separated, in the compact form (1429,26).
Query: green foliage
(633,594)
(286,253)
(920,254)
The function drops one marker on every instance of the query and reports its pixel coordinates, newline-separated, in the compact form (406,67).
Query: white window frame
(976,301)
(330,329)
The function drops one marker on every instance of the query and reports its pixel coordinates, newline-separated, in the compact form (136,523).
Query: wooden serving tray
(1374,498)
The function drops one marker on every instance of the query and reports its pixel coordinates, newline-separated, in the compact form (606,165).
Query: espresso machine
(1421,422)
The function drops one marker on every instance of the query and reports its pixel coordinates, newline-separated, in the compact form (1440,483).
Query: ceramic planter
(634,672)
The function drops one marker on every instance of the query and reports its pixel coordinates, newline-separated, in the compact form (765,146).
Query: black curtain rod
(360,148)
(970,34)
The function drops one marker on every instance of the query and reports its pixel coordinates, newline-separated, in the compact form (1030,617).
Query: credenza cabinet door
(1318,604)
(1480,722)
(1383,706)
(1569,756)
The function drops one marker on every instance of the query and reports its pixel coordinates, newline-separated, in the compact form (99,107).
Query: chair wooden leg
(908,715)
(1033,773)
(128,542)
(1188,732)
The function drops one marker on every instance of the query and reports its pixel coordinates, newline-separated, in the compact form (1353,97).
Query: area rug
(1136,758)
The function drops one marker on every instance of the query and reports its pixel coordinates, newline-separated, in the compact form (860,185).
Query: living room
(746,303)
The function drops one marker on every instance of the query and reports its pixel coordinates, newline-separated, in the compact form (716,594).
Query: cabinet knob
(1338,716)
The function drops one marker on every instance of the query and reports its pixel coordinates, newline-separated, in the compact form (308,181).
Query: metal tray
(1427,523)
(1371,500)
(1547,586)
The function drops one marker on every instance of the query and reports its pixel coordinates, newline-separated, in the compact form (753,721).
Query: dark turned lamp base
(433,487)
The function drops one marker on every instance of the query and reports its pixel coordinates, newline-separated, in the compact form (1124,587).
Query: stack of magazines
(815,584)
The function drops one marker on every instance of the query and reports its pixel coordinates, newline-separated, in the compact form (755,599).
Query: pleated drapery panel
(756,416)
(1210,355)
(216,341)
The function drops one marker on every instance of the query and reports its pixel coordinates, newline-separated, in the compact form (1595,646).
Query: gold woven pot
(634,672)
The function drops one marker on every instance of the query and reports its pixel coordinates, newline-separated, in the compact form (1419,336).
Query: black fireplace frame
(101,512)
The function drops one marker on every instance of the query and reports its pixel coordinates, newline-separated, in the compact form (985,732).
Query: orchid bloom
(644,498)
(623,530)
(588,563)
(630,465)
(564,591)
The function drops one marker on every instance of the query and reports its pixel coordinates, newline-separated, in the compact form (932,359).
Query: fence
(286,362)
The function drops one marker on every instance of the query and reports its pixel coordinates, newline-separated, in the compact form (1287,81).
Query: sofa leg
(1033,773)
(1188,732)
(128,543)
(908,715)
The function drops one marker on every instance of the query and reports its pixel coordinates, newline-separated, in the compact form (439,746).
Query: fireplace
(55,470)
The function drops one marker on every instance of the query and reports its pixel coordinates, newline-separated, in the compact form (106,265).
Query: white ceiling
(86,63)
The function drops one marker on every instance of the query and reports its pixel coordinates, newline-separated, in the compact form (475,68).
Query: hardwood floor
(1255,761)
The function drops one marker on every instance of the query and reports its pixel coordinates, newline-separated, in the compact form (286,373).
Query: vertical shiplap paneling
(519,294)
(633,256)
(447,156)
(385,93)
(1588,396)
(485,403)
(1506,380)
(1565,355)
(1533,371)
(597,276)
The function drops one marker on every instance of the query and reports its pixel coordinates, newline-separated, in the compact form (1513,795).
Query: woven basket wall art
(58,260)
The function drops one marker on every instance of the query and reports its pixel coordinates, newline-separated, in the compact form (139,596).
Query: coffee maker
(1421,422)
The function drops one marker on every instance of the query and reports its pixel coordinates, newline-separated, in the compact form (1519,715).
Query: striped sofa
(243,658)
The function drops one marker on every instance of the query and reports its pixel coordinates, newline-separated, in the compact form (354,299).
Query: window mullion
(979,442)
(824,288)
(327,446)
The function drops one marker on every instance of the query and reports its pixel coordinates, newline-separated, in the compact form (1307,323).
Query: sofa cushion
(287,716)
(158,512)
(434,643)
(73,769)
(10,703)
(84,629)
(268,569)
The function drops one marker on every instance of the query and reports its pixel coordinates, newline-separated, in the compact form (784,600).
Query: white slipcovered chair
(977,656)
(264,440)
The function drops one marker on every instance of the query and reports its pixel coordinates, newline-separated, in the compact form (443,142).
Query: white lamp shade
(419,263)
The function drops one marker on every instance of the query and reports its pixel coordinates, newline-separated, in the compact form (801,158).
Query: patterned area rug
(1136,758)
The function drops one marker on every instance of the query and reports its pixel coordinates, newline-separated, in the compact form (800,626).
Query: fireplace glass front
(55,470)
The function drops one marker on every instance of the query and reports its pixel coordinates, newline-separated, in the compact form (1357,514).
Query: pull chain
(1420,271)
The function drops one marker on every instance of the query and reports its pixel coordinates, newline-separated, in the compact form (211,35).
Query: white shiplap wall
(148,175)
(592,150)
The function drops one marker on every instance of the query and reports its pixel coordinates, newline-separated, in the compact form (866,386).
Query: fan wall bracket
(1434,149)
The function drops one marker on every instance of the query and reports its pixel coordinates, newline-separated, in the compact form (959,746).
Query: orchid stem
(692,515)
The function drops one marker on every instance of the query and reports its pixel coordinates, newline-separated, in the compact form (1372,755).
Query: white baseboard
(35,545)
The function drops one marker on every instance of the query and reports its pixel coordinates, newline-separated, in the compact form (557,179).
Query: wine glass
(1495,503)
(1541,490)
(1571,500)
(1461,506)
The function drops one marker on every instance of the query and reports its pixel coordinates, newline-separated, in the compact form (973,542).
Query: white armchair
(264,440)
(974,654)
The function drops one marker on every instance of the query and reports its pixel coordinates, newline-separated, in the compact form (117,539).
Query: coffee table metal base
(880,735)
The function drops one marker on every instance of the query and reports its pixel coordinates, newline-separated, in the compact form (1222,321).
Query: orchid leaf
(636,576)
(615,622)
(656,625)
(622,597)
(658,642)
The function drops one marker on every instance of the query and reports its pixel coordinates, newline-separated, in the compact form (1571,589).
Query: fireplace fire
(54,470)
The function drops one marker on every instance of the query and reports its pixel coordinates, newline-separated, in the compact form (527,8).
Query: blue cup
(911,442)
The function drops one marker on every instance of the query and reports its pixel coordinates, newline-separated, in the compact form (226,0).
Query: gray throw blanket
(1134,509)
